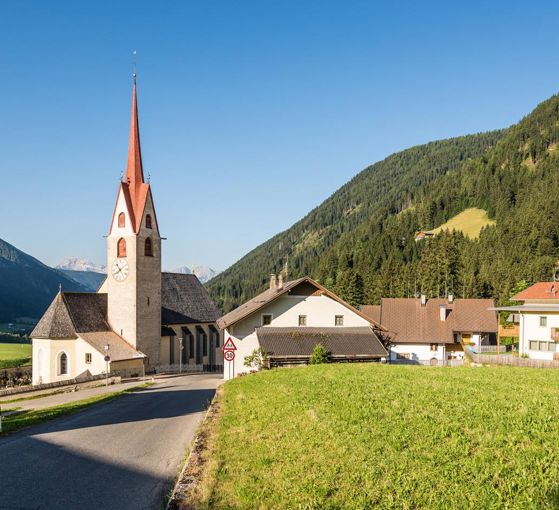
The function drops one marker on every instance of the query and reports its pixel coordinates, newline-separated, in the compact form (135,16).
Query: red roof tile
(540,290)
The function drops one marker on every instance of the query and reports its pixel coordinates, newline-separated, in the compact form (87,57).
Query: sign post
(229,355)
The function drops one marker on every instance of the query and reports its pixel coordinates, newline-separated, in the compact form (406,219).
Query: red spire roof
(135,189)
(134,169)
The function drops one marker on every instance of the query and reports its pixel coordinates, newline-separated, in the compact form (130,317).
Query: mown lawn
(374,436)
(14,354)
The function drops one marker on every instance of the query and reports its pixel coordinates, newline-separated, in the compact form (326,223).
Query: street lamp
(180,353)
(107,359)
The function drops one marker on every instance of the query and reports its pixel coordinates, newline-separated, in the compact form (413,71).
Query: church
(140,320)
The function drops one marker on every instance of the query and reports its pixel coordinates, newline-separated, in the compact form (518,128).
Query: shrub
(319,355)
(256,359)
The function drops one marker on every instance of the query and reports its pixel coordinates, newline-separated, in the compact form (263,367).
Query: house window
(63,364)
(339,320)
(536,345)
(121,248)
(148,221)
(191,346)
(205,344)
(171,350)
(434,347)
(543,321)
(148,248)
(266,319)
(121,220)
(88,357)
(302,320)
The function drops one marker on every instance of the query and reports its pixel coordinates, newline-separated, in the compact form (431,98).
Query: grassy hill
(374,436)
(360,242)
(469,222)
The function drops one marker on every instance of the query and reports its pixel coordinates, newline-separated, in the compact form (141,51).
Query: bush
(256,359)
(319,355)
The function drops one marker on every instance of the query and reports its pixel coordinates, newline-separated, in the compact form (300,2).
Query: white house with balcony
(538,310)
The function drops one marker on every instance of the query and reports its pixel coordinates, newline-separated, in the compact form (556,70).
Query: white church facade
(140,320)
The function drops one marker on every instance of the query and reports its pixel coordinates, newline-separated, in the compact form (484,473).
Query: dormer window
(121,220)
(148,248)
(148,221)
(121,248)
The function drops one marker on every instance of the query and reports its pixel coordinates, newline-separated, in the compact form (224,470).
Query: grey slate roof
(72,313)
(119,349)
(55,322)
(83,314)
(347,342)
(184,300)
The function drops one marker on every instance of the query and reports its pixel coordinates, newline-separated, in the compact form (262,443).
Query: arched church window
(121,220)
(121,248)
(63,364)
(148,221)
(148,248)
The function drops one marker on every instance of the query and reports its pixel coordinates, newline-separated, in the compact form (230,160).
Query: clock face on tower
(120,270)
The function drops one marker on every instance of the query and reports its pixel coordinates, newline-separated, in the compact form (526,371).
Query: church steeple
(134,168)
(136,191)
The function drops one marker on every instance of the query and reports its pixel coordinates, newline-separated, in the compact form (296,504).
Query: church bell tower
(134,256)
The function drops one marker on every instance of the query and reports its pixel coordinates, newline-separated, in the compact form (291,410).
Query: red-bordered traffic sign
(229,345)
(229,355)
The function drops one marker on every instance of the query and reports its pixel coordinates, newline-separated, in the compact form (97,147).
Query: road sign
(229,355)
(107,358)
(229,345)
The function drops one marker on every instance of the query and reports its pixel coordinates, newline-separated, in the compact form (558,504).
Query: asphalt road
(124,454)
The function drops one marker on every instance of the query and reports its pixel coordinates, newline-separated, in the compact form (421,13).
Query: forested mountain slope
(360,241)
(27,286)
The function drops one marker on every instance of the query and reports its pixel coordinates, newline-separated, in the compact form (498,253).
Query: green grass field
(14,354)
(469,221)
(374,436)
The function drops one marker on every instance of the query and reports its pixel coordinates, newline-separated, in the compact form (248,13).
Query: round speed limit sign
(229,355)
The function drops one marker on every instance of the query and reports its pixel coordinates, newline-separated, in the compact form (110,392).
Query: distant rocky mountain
(27,286)
(80,264)
(204,273)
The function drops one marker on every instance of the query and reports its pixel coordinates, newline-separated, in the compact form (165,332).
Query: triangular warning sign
(229,345)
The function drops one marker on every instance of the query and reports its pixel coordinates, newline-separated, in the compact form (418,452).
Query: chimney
(442,312)
(280,281)
(423,299)
(273,282)
(451,298)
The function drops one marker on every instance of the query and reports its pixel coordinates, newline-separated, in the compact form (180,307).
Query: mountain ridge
(360,241)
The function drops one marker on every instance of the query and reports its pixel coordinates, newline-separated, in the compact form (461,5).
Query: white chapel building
(140,319)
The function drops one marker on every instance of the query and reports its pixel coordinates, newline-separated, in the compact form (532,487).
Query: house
(289,319)
(433,331)
(423,234)
(538,324)
(140,318)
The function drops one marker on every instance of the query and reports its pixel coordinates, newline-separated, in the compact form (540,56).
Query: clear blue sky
(251,113)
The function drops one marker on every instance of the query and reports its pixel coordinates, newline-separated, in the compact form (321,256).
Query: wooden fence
(515,361)
(490,348)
